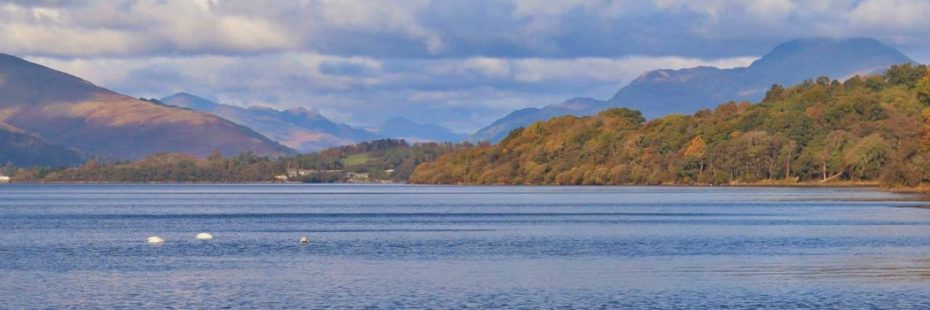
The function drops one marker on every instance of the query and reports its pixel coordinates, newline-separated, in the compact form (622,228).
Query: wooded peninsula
(871,129)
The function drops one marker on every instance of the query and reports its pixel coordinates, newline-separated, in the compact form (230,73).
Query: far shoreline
(922,189)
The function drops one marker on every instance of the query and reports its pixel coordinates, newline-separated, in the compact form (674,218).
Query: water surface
(389,246)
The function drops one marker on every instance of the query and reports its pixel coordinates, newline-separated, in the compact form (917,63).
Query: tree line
(329,165)
(866,129)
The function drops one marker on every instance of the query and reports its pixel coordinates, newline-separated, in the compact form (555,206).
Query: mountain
(866,130)
(660,92)
(299,128)
(23,150)
(65,110)
(309,131)
(402,128)
(523,117)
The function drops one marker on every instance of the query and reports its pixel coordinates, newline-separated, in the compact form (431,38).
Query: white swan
(204,236)
(304,239)
(154,240)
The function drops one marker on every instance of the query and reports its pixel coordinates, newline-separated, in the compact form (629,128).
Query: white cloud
(489,66)
(892,15)
(381,16)
(771,11)
(140,27)
(48,40)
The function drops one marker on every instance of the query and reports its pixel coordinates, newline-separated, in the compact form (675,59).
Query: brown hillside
(66,110)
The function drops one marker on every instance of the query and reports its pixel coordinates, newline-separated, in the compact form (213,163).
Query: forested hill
(373,161)
(864,129)
(660,92)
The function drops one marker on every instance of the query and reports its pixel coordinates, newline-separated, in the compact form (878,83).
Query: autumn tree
(923,89)
(697,150)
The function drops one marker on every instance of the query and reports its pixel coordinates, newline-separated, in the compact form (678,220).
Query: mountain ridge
(63,109)
(665,91)
(404,128)
(24,150)
(298,128)
(307,130)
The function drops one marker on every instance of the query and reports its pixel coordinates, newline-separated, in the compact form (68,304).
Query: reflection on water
(459,247)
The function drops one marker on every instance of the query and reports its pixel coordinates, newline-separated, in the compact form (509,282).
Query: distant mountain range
(300,129)
(402,128)
(60,109)
(308,131)
(661,92)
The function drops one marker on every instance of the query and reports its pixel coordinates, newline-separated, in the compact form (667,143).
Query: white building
(4,179)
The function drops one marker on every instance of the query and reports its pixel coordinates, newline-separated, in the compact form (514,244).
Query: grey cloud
(441,28)
(347,69)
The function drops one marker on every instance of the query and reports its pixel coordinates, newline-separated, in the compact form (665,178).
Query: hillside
(65,110)
(661,92)
(864,129)
(23,150)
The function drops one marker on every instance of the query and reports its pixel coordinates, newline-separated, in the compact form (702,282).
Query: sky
(461,64)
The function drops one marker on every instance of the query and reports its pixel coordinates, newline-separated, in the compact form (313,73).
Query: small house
(357,177)
(4,179)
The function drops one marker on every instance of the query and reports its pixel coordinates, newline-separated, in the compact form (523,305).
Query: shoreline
(923,189)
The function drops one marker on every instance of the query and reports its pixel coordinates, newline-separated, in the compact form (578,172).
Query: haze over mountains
(402,128)
(299,128)
(659,92)
(64,110)
(307,131)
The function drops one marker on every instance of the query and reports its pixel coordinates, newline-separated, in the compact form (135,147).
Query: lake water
(389,246)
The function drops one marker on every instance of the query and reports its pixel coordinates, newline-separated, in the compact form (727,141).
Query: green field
(355,160)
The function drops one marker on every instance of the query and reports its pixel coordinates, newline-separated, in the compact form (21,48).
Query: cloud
(492,67)
(398,17)
(136,28)
(895,16)
(439,29)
